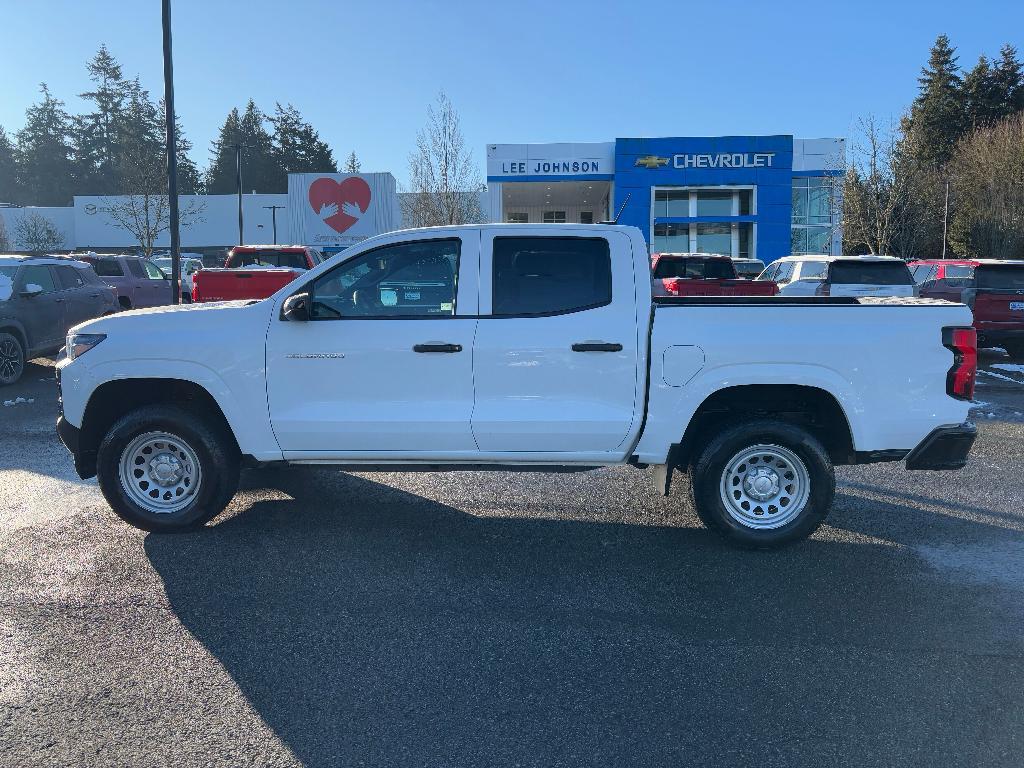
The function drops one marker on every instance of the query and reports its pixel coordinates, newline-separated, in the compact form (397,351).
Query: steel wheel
(160,472)
(765,486)
(11,360)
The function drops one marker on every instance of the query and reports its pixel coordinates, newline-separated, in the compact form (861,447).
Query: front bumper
(944,448)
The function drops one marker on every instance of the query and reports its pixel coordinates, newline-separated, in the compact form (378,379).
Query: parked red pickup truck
(253,272)
(992,288)
(702,274)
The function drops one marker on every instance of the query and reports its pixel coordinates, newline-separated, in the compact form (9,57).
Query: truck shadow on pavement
(368,625)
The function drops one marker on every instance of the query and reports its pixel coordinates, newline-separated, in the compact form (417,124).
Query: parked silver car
(40,299)
(139,282)
(823,275)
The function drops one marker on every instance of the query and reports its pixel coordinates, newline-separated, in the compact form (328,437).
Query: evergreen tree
(96,133)
(189,180)
(140,129)
(8,171)
(44,153)
(981,98)
(220,175)
(1008,82)
(937,116)
(352,164)
(260,170)
(298,148)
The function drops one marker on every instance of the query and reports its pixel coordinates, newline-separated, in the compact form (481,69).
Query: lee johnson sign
(725,160)
(542,167)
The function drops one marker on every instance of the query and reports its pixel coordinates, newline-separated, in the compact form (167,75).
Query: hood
(193,317)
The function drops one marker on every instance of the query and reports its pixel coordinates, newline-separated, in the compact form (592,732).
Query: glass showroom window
(671,238)
(813,203)
(685,202)
(554,217)
(517,218)
(714,238)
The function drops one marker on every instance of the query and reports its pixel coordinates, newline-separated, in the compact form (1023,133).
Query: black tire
(707,475)
(218,461)
(12,358)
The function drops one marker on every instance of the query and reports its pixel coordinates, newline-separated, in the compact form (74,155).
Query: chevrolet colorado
(522,346)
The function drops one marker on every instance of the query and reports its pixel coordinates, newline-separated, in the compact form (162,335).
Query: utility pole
(945,219)
(273,217)
(238,183)
(172,157)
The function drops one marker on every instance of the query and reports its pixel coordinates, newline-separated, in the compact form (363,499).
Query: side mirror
(296,308)
(31,290)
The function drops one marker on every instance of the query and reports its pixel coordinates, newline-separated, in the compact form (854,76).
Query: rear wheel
(164,468)
(762,484)
(12,358)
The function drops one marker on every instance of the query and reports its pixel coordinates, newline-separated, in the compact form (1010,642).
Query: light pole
(172,156)
(273,217)
(945,219)
(238,184)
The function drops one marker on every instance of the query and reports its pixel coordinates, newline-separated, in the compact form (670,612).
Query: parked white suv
(822,275)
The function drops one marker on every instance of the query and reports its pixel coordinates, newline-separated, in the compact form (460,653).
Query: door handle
(596,346)
(437,348)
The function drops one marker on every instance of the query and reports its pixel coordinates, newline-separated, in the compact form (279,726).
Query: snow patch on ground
(992,563)
(18,401)
(999,376)
(1016,368)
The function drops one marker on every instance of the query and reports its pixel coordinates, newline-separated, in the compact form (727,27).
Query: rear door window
(136,268)
(550,275)
(813,270)
(870,273)
(70,277)
(1000,277)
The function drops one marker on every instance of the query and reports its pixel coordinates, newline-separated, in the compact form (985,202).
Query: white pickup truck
(519,346)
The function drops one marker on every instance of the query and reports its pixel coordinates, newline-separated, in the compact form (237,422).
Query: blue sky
(523,71)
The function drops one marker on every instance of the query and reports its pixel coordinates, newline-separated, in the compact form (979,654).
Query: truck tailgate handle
(596,346)
(437,348)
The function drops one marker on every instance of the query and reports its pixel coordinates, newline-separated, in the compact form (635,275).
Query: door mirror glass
(296,308)
(32,289)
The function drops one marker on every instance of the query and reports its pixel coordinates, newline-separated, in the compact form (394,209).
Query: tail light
(823,289)
(963,342)
(195,287)
(671,286)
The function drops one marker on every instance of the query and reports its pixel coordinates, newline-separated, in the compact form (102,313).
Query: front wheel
(12,359)
(762,484)
(164,468)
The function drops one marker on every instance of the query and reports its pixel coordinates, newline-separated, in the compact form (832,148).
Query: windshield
(870,273)
(267,258)
(1000,277)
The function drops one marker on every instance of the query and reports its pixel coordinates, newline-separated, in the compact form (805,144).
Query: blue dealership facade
(747,196)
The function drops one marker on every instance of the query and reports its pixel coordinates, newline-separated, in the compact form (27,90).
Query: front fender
(244,406)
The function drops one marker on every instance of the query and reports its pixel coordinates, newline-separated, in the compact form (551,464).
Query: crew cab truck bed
(515,346)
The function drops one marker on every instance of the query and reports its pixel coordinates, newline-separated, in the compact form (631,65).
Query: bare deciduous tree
(36,233)
(144,212)
(880,193)
(445,183)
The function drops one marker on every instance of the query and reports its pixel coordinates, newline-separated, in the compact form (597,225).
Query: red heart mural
(324,191)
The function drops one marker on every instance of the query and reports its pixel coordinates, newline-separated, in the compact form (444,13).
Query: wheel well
(812,408)
(16,333)
(114,399)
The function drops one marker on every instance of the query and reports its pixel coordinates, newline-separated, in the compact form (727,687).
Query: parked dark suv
(40,299)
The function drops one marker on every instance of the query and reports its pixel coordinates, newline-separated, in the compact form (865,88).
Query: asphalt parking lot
(511,619)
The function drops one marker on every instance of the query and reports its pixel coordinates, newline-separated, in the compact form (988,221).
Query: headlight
(80,343)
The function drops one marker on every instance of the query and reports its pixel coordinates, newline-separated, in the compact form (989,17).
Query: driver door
(383,367)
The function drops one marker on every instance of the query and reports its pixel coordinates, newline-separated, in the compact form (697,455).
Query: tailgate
(230,284)
(999,293)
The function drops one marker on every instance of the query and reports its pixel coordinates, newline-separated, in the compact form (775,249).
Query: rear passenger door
(80,299)
(556,356)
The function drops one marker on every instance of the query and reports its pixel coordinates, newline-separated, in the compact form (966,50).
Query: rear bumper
(987,335)
(944,448)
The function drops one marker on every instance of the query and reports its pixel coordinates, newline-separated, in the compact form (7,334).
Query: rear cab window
(695,268)
(864,272)
(267,258)
(535,276)
(1000,277)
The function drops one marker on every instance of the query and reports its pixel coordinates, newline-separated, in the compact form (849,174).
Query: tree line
(117,146)
(949,176)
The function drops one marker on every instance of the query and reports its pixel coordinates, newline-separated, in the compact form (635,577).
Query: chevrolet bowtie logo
(651,161)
